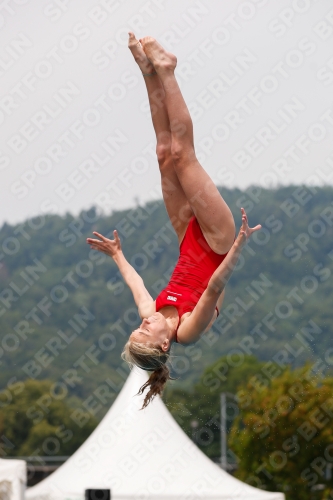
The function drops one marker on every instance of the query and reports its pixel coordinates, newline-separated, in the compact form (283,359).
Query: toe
(131,39)
(145,40)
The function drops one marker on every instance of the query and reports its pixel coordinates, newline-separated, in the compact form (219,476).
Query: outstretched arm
(201,316)
(113,248)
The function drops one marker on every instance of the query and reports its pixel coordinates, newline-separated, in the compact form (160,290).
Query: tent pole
(223,432)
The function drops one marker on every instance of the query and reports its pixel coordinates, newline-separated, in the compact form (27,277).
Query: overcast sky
(75,128)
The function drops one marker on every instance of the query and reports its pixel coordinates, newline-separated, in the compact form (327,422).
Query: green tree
(283,436)
(34,421)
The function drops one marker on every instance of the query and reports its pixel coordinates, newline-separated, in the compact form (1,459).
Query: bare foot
(139,55)
(161,59)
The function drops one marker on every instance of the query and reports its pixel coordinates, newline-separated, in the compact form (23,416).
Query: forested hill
(65,313)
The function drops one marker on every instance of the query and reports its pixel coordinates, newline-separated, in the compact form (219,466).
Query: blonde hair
(151,358)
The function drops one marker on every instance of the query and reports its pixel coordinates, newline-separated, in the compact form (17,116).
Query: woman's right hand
(109,247)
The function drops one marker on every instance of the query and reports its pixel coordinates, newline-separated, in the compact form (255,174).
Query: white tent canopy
(13,478)
(142,455)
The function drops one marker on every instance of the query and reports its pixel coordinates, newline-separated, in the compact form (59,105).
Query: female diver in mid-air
(204,224)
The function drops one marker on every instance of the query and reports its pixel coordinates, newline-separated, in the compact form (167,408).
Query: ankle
(165,69)
(150,74)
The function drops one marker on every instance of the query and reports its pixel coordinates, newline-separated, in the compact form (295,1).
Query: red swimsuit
(196,264)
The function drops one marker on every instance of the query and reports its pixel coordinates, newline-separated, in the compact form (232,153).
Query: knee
(181,153)
(177,151)
(163,153)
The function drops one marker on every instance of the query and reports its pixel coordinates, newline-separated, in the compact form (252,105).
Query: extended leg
(213,214)
(176,203)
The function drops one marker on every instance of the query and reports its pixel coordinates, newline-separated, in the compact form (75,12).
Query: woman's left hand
(246,231)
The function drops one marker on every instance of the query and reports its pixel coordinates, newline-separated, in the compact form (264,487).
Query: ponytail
(149,358)
(156,382)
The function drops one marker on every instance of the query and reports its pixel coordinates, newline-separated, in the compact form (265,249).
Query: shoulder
(147,308)
(182,320)
(185,332)
(200,320)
